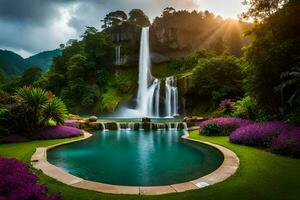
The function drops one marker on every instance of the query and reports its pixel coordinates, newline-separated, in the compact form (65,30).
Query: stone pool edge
(226,169)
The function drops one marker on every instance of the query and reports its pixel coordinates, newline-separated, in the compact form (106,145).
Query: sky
(28,27)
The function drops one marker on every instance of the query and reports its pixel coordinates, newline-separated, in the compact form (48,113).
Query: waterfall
(148,95)
(176,125)
(118,126)
(171,99)
(170,126)
(161,126)
(148,87)
(118,55)
(141,126)
(103,126)
(130,126)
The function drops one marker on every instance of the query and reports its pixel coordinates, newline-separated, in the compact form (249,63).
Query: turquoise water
(137,158)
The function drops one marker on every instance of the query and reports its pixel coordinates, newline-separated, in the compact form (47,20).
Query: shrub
(221,126)
(18,183)
(211,130)
(258,134)
(59,132)
(287,143)
(13,138)
(227,106)
(224,121)
(32,110)
(245,108)
(216,130)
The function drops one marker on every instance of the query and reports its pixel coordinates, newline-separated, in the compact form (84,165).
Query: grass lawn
(261,175)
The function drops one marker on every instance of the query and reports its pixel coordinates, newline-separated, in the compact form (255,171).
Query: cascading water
(118,55)
(118,126)
(103,126)
(171,100)
(130,126)
(148,95)
(148,87)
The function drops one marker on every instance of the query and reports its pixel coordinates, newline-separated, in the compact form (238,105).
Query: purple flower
(57,132)
(287,143)
(12,138)
(226,104)
(258,134)
(18,183)
(72,123)
(223,121)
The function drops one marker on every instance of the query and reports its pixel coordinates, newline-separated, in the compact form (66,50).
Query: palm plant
(291,84)
(34,108)
(54,109)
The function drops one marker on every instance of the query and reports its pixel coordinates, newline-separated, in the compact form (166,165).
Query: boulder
(93,119)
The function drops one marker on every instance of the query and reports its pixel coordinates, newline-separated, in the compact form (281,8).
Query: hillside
(13,64)
(43,59)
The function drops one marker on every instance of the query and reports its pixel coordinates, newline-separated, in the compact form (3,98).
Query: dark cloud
(33,11)
(36,25)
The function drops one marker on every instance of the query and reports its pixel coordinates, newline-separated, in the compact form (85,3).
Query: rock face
(170,39)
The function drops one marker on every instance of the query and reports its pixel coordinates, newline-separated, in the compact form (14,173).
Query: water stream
(148,95)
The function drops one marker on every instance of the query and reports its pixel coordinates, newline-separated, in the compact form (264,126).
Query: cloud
(37,25)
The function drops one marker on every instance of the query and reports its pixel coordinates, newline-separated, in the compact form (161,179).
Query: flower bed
(72,123)
(222,126)
(58,132)
(18,183)
(226,121)
(13,138)
(280,137)
(258,134)
(287,143)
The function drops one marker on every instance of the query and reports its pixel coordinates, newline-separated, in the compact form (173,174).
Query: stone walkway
(227,169)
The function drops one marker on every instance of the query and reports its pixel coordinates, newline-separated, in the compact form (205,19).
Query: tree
(115,18)
(31,75)
(99,49)
(138,17)
(168,11)
(290,87)
(217,78)
(275,49)
(89,30)
(218,45)
(2,76)
(76,76)
(262,9)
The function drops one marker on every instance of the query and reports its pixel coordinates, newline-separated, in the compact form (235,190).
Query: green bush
(33,108)
(214,129)
(216,79)
(246,108)
(211,130)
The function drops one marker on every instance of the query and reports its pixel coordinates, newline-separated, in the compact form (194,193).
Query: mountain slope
(43,59)
(13,64)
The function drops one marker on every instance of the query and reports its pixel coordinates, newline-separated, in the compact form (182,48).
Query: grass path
(261,175)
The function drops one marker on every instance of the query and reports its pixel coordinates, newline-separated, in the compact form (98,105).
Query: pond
(137,158)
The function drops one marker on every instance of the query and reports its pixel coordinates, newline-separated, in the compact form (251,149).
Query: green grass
(261,175)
